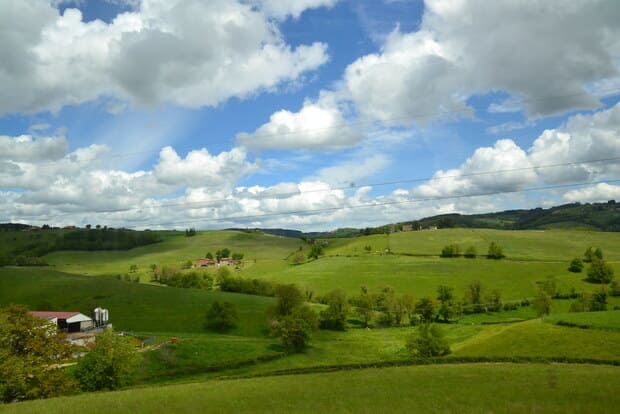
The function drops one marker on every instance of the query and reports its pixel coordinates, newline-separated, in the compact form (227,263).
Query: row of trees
(173,277)
(454,250)
(599,271)
(224,253)
(31,351)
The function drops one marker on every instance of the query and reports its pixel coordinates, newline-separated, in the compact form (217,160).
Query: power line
(381,204)
(203,204)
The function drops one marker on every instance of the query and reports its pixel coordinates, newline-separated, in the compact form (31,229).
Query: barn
(66,321)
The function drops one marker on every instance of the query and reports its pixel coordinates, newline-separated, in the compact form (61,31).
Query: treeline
(28,246)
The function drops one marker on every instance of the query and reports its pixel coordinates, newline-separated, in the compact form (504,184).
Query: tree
(495,251)
(110,365)
(591,253)
(429,342)
(221,316)
(425,308)
(542,303)
(296,328)
(471,252)
(364,306)
(447,308)
(600,271)
(209,255)
(473,295)
(29,348)
(576,265)
(289,297)
(237,256)
(315,251)
(335,316)
(299,258)
(451,250)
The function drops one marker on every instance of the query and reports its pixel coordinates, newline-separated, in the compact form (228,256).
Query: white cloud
(318,125)
(545,54)
(191,53)
(26,148)
(280,9)
(201,169)
(598,193)
(351,171)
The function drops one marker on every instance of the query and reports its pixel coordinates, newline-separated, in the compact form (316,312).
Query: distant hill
(595,216)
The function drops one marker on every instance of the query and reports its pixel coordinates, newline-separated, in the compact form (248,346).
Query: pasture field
(536,338)
(133,306)
(464,388)
(595,320)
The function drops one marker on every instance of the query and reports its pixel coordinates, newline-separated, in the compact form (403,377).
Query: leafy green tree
(222,316)
(576,265)
(364,307)
(29,348)
(471,252)
(335,316)
(447,308)
(542,303)
(591,254)
(289,297)
(133,268)
(429,342)
(299,258)
(315,251)
(451,250)
(295,329)
(495,251)
(209,256)
(237,256)
(425,308)
(110,365)
(600,272)
(550,286)
(493,300)
(473,296)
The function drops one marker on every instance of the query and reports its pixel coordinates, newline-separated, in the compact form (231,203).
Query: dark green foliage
(295,329)
(429,342)
(172,277)
(364,306)
(542,303)
(222,316)
(473,297)
(229,283)
(104,239)
(30,261)
(335,316)
(451,250)
(600,271)
(471,252)
(28,346)
(448,309)
(425,308)
(209,255)
(222,254)
(190,232)
(237,256)
(315,251)
(110,365)
(289,298)
(576,265)
(592,254)
(495,252)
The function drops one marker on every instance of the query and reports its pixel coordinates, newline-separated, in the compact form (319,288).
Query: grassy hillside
(133,306)
(467,388)
(595,320)
(270,253)
(538,339)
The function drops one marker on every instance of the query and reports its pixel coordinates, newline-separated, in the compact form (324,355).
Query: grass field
(133,306)
(596,320)
(466,388)
(539,339)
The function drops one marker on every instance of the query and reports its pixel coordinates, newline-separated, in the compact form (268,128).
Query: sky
(306,114)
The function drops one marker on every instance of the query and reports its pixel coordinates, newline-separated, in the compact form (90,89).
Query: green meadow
(464,388)
(84,280)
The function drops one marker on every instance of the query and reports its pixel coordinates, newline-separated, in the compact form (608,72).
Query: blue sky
(314,114)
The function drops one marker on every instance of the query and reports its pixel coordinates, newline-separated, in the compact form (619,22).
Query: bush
(451,250)
(495,252)
(296,328)
(429,342)
(471,252)
(576,265)
(600,271)
(221,316)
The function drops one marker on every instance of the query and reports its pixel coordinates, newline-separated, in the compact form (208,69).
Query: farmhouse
(66,321)
(205,263)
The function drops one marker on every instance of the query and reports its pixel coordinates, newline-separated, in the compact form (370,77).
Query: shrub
(576,265)
(221,316)
(451,250)
(429,342)
(495,252)
(600,271)
(471,252)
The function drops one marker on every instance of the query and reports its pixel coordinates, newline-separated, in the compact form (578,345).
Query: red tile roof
(59,315)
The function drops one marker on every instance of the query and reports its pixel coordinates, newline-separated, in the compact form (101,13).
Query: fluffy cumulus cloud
(598,193)
(586,148)
(317,125)
(201,169)
(281,9)
(191,53)
(548,55)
